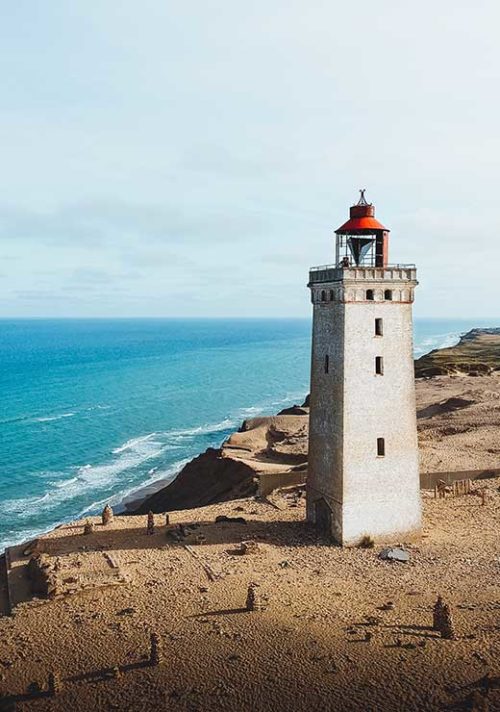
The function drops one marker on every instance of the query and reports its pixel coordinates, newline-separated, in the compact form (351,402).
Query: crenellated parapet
(394,283)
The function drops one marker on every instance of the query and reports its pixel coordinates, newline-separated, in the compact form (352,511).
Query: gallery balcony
(333,273)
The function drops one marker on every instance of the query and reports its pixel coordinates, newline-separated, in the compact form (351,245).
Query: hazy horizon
(193,161)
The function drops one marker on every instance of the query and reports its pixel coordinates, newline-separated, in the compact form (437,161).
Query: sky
(193,158)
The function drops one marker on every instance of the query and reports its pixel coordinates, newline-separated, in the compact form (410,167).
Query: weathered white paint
(351,407)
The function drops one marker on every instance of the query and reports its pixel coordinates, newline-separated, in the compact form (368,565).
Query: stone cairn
(88,527)
(447,627)
(107,515)
(443,620)
(155,656)
(255,601)
(151,523)
(437,614)
(54,684)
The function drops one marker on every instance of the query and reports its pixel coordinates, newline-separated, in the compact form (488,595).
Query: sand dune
(308,648)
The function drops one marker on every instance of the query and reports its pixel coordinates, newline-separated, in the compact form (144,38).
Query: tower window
(327,364)
(380,447)
(323,296)
(369,295)
(379,365)
(331,295)
(379,327)
(388,295)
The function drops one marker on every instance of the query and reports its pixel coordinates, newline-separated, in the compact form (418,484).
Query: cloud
(197,162)
(93,224)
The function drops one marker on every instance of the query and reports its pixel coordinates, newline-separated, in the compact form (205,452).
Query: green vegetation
(477,354)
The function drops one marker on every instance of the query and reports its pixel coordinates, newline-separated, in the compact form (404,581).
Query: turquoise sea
(92,410)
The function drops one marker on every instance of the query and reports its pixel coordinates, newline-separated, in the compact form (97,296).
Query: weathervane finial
(362,199)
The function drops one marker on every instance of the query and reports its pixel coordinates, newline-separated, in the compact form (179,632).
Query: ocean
(93,410)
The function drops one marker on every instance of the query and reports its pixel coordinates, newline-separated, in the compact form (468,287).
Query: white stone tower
(363,477)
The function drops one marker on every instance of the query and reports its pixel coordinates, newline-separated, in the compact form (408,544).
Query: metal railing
(394,266)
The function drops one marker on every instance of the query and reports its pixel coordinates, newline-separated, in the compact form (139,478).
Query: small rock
(388,606)
(249,547)
(394,554)
(88,527)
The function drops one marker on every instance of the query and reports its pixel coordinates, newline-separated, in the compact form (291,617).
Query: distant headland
(476,354)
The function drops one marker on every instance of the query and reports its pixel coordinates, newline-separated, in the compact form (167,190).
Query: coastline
(251,450)
(113,586)
(133,498)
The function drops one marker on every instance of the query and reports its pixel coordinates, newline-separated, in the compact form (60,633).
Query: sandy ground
(307,650)
(459,422)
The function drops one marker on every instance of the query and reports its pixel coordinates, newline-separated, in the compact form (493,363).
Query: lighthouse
(363,476)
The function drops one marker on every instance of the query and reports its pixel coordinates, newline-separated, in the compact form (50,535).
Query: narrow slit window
(380,447)
(388,295)
(369,295)
(327,363)
(331,295)
(379,327)
(379,365)
(323,296)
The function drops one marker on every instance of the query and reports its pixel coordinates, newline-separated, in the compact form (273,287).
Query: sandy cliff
(458,421)
(262,445)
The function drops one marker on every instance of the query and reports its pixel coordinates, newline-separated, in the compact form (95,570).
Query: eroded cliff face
(458,426)
(210,477)
(262,445)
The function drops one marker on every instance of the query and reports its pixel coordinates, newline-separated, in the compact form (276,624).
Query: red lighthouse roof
(362,219)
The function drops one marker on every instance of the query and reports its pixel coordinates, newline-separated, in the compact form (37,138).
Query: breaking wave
(437,341)
(131,444)
(50,418)
(115,479)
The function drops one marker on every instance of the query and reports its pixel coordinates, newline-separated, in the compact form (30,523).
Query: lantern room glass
(356,250)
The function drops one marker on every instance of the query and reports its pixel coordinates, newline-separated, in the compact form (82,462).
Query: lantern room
(362,241)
